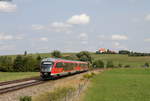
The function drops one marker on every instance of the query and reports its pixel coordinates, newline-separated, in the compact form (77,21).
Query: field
(123,59)
(120,85)
(6,76)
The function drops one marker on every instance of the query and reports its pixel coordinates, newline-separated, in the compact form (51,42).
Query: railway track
(20,80)
(9,86)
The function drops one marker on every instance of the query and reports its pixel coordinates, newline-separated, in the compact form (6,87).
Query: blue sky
(74,25)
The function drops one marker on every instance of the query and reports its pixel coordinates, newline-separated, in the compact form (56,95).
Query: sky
(40,26)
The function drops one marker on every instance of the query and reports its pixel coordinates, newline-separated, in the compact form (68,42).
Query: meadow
(130,84)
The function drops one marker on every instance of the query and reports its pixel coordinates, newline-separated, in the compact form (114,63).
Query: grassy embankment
(120,85)
(6,76)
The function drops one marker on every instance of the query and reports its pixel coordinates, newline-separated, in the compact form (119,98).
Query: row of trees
(125,52)
(25,63)
(19,64)
(133,53)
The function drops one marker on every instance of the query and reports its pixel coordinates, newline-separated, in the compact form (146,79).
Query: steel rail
(20,86)
(20,80)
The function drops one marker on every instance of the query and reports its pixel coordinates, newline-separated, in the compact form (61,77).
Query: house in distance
(105,51)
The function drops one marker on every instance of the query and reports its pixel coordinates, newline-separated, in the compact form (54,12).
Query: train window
(59,65)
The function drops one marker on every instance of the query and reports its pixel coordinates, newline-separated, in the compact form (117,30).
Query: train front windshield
(46,66)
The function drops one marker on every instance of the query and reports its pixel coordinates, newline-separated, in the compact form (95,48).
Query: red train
(51,67)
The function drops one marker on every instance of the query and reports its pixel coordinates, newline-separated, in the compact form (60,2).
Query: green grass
(6,76)
(120,85)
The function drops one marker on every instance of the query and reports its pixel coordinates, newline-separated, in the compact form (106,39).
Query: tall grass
(56,95)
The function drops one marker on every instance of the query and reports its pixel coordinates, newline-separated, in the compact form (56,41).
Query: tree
(84,56)
(18,64)
(124,52)
(6,64)
(146,64)
(56,54)
(38,61)
(38,58)
(25,53)
(98,64)
(29,63)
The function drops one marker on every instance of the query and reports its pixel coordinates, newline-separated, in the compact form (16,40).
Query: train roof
(59,59)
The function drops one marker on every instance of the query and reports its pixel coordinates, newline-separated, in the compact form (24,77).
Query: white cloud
(44,39)
(103,37)
(19,38)
(55,26)
(6,47)
(83,36)
(147,40)
(119,37)
(84,42)
(38,27)
(4,36)
(60,27)
(7,6)
(147,17)
(79,19)
(63,26)
(117,45)
(135,20)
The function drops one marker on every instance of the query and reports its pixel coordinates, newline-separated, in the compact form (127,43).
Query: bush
(84,56)
(18,64)
(124,52)
(57,95)
(26,98)
(120,65)
(109,64)
(56,54)
(6,64)
(146,65)
(127,66)
(98,64)
(29,63)
(25,64)
(88,75)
